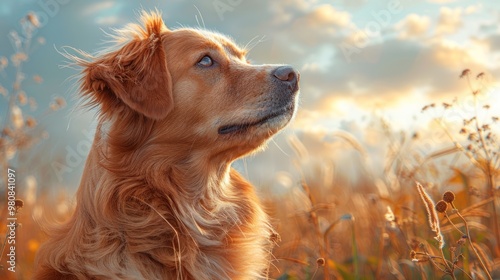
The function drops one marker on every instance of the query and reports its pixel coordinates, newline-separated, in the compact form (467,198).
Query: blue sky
(356,57)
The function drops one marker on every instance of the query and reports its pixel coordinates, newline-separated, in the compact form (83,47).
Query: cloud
(315,24)
(384,72)
(413,26)
(488,27)
(107,13)
(493,42)
(353,3)
(388,75)
(449,20)
(107,20)
(327,15)
(441,1)
(473,9)
(301,34)
(97,7)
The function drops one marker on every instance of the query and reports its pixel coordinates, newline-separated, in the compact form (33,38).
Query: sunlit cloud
(108,20)
(99,7)
(441,1)
(450,20)
(493,42)
(473,9)
(414,26)
(326,15)
(106,13)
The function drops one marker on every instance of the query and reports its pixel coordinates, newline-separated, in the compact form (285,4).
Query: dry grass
(382,225)
(387,226)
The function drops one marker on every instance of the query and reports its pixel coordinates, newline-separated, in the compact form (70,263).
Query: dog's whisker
(278,146)
(249,42)
(201,17)
(261,40)
(180,25)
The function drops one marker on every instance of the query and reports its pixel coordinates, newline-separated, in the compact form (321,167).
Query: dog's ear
(135,75)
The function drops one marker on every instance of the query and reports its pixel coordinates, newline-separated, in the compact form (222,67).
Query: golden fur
(158,198)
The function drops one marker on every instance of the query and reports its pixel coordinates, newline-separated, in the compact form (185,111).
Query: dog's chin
(271,122)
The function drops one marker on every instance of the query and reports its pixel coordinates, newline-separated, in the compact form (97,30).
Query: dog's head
(193,87)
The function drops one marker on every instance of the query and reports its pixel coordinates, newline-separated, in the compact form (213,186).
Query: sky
(357,59)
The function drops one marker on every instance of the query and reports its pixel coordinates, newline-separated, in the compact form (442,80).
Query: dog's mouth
(233,128)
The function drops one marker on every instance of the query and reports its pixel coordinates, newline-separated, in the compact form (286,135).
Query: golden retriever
(158,198)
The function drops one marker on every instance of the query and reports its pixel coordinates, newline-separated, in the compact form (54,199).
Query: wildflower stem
(449,269)
(488,163)
(478,128)
(314,274)
(453,224)
(431,258)
(380,258)
(314,219)
(463,271)
(491,187)
(472,244)
(457,144)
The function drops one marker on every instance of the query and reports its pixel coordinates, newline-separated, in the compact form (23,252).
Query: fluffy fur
(158,198)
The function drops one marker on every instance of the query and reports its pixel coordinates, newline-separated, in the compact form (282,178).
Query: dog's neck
(186,176)
(136,155)
(179,196)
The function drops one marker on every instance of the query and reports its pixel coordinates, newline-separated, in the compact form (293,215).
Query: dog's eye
(206,61)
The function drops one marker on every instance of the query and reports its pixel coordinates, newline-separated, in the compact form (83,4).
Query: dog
(158,198)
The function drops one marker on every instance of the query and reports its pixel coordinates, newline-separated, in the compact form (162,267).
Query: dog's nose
(287,75)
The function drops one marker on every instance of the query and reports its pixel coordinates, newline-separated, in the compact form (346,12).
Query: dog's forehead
(205,38)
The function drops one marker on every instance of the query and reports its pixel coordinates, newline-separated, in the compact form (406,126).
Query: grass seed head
(462,240)
(33,19)
(449,196)
(31,122)
(441,206)
(413,254)
(18,203)
(465,73)
(431,214)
